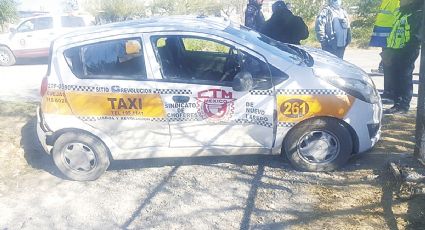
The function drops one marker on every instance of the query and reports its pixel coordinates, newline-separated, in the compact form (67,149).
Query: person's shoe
(377,71)
(386,99)
(380,71)
(396,109)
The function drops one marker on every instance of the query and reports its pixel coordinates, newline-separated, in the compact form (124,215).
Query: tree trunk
(420,117)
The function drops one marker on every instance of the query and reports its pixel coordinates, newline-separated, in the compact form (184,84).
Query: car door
(110,89)
(33,37)
(203,108)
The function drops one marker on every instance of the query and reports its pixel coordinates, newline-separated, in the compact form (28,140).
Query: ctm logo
(215,104)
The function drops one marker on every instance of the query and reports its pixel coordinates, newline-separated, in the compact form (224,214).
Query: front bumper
(365,119)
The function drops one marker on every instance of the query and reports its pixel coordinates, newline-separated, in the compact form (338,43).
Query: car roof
(173,23)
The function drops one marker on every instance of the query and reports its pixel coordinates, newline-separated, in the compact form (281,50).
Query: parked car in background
(32,37)
(186,86)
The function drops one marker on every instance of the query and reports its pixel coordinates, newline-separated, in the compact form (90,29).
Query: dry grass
(13,117)
(398,133)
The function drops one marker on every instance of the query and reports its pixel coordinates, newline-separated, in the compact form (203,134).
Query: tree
(232,8)
(307,9)
(185,7)
(70,5)
(107,11)
(163,7)
(8,12)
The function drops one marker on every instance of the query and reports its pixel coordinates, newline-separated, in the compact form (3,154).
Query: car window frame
(18,29)
(34,23)
(206,36)
(128,36)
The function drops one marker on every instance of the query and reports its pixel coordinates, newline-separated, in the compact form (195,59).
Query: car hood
(344,69)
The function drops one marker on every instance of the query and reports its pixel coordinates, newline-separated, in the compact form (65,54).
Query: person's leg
(380,69)
(340,52)
(327,48)
(390,75)
(406,77)
(403,84)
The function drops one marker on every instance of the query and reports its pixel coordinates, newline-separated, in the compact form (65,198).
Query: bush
(361,31)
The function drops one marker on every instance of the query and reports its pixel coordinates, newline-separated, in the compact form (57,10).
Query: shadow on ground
(34,152)
(266,160)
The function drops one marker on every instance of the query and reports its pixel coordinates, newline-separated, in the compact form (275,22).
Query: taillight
(43,87)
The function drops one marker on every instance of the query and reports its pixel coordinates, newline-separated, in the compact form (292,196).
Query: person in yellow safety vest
(383,24)
(403,46)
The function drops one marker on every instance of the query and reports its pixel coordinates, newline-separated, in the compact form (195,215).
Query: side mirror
(13,30)
(243,82)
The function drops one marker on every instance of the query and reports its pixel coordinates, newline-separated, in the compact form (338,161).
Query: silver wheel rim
(79,157)
(318,147)
(4,57)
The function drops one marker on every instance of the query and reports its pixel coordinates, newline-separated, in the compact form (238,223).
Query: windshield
(265,42)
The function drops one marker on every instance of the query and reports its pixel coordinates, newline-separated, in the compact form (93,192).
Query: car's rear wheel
(6,57)
(321,144)
(80,156)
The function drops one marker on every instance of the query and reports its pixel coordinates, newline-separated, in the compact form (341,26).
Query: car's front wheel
(6,57)
(321,144)
(80,156)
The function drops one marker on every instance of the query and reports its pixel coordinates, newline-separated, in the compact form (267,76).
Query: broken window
(117,59)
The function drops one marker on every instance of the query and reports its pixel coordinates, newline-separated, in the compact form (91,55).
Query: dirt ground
(256,192)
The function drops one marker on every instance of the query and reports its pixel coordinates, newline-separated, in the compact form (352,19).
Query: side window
(26,26)
(202,60)
(118,59)
(72,21)
(36,24)
(190,59)
(256,67)
(43,23)
(202,45)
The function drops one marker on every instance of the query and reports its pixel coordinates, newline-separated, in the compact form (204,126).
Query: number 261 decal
(294,108)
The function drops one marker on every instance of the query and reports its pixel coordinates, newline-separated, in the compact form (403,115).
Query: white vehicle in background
(185,86)
(32,37)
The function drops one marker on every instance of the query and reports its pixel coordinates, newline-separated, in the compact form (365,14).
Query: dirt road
(248,192)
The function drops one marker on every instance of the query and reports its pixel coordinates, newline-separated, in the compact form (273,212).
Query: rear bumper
(42,132)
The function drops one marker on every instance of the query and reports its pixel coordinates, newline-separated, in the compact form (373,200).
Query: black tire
(80,156)
(327,138)
(6,57)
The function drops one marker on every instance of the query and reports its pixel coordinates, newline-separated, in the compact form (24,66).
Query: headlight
(361,89)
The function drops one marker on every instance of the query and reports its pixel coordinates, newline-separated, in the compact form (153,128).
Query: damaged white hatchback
(187,86)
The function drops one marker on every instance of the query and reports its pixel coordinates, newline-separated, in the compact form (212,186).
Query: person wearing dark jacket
(254,18)
(284,26)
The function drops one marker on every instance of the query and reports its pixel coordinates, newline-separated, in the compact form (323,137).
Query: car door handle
(181,99)
(29,36)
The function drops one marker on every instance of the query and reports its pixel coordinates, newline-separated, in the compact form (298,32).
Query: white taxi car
(33,36)
(187,86)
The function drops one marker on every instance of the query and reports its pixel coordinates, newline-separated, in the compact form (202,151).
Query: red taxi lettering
(215,93)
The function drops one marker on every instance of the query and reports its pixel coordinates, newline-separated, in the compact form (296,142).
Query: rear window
(118,59)
(72,21)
